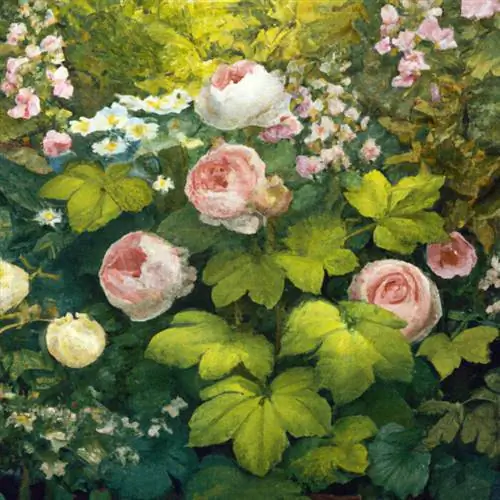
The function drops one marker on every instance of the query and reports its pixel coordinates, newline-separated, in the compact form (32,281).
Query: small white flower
(323,130)
(24,420)
(318,105)
(157,105)
(188,142)
(131,102)
(110,118)
(319,83)
(370,150)
(110,147)
(57,440)
(108,429)
(346,134)
(137,129)
(163,184)
(173,409)
(364,123)
(56,468)
(179,100)
(346,82)
(83,126)
(154,430)
(49,217)
(352,113)
(494,308)
(336,106)
(334,90)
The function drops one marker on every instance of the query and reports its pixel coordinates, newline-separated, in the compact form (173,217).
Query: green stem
(359,231)
(270,234)
(277,338)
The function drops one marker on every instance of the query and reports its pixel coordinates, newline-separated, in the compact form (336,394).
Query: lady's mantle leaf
(96,197)
(446,355)
(398,461)
(222,480)
(400,210)
(351,349)
(240,410)
(315,245)
(234,274)
(200,337)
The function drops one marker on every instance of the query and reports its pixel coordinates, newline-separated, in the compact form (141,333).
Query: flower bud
(14,286)
(273,198)
(75,342)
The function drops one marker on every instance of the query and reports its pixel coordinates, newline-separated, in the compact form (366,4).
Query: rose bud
(14,286)
(75,342)
(404,290)
(454,258)
(142,274)
(273,198)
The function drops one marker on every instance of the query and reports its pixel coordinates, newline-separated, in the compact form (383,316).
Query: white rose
(242,95)
(14,286)
(75,342)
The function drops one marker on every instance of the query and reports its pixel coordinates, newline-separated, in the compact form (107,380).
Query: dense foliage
(249,249)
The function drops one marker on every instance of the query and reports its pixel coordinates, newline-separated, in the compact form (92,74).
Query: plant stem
(277,338)
(361,230)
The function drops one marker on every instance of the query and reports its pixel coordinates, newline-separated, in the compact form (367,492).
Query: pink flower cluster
(480,9)
(49,53)
(425,28)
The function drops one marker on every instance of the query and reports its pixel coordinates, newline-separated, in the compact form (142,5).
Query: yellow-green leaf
(371,198)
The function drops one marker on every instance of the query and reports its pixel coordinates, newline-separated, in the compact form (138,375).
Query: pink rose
(60,81)
(223,182)
(383,46)
(405,41)
(64,90)
(389,14)
(404,290)
(370,150)
(480,9)
(56,143)
(27,105)
(307,166)
(413,63)
(430,30)
(288,128)
(404,81)
(142,274)
(242,95)
(17,33)
(455,258)
(51,43)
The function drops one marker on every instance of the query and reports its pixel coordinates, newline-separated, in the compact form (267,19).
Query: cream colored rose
(14,286)
(75,342)
(242,95)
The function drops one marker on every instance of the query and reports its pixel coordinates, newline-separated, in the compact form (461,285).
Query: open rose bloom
(454,258)
(226,187)
(242,95)
(142,274)
(56,143)
(404,290)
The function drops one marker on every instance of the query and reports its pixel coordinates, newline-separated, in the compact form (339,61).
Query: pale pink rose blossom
(346,133)
(242,95)
(288,128)
(14,65)
(405,41)
(370,150)
(336,106)
(413,63)
(383,46)
(223,182)
(60,81)
(17,33)
(308,166)
(335,154)
(323,130)
(33,51)
(404,81)
(56,143)
(454,258)
(430,30)
(142,274)
(303,110)
(51,43)
(8,88)
(389,14)
(353,114)
(480,9)
(27,105)
(403,289)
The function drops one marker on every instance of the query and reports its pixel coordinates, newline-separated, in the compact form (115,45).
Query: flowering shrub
(252,261)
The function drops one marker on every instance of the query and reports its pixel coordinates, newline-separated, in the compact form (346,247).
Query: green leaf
(28,158)
(234,274)
(184,228)
(481,427)
(353,429)
(315,244)
(17,362)
(349,354)
(398,462)
(200,337)
(446,428)
(371,198)
(130,194)
(258,423)
(224,481)
(446,355)
(61,187)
